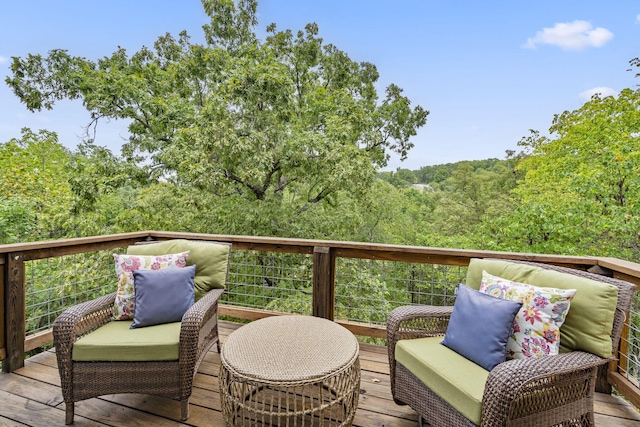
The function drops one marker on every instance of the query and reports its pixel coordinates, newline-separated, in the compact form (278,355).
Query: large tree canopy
(581,191)
(288,120)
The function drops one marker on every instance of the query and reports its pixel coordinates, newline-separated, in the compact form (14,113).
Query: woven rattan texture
(290,370)
(551,391)
(173,379)
(289,349)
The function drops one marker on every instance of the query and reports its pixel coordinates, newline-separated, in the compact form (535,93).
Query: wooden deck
(31,397)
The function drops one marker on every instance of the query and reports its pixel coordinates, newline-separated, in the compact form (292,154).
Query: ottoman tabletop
(293,348)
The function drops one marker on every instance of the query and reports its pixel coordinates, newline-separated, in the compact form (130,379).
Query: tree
(581,189)
(635,62)
(403,178)
(287,121)
(468,201)
(34,187)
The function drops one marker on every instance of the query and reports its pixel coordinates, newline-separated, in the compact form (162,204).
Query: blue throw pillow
(480,326)
(162,296)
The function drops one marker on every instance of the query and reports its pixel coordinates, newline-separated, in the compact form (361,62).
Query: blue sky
(488,71)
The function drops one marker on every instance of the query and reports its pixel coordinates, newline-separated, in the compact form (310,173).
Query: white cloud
(574,35)
(3,59)
(638,19)
(602,91)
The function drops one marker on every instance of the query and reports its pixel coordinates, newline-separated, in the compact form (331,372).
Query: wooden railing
(14,342)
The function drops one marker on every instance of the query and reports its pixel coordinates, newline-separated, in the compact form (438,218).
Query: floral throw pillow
(536,328)
(125,265)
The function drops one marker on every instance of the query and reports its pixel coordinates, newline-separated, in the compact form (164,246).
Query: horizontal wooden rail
(627,388)
(421,254)
(57,248)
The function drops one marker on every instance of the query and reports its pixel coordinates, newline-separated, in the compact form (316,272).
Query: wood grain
(324,282)
(14,301)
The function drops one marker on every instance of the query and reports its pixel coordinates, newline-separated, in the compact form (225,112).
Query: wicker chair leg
(69,411)
(420,421)
(184,409)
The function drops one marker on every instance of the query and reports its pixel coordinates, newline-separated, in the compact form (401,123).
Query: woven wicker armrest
(193,327)
(198,331)
(77,321)
(533,389)
(416,321)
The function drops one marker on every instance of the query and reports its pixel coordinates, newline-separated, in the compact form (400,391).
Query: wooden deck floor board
(31,397)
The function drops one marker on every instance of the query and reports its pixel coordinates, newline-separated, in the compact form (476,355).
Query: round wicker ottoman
(298,371)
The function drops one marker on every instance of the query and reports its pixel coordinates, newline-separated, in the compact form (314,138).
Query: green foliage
(354,300)
(288,121)
(440,173)
(393,215)
(18,220)
(581,191)
(464,206)
(635,62)
(282,145)
(34,186)
(95,172)
(401,178)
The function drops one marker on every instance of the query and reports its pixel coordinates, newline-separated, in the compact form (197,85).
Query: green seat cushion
(590,319)
(115,342)
(457,380)
(211,260)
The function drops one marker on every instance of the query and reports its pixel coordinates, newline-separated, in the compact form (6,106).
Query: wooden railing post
(324,282)
(3,329)
(14,311)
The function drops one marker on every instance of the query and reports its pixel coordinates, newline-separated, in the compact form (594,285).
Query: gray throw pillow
(162,296)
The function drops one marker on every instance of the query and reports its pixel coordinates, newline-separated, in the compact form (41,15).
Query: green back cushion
(590,319)
(211,260)
(451,376)
(116,342)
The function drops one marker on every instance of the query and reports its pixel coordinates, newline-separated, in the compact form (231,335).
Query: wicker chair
(548,391)
(82,380)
